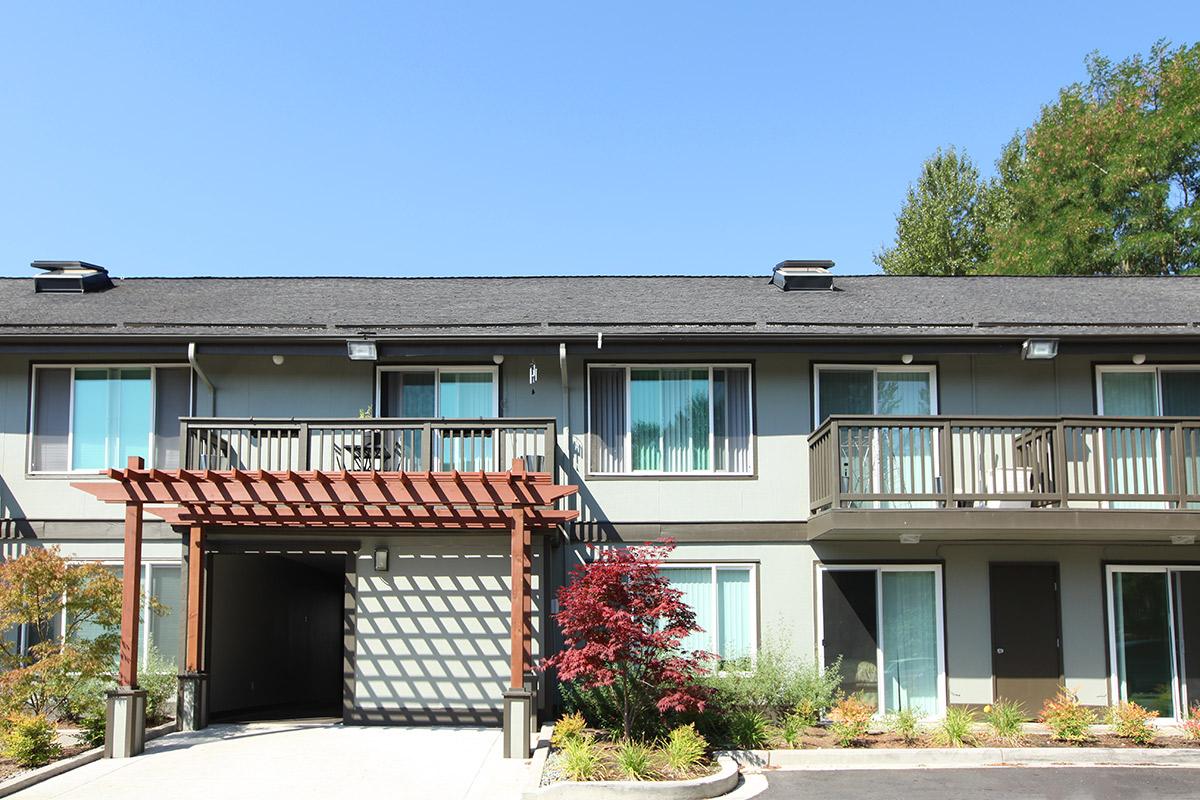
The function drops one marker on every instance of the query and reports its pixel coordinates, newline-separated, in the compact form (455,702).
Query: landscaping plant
(955,728)
(581,759)
(1131,721)
(623,626)
(850,719)
(160,680)
(635,761)
(1005,718)
(906,724)
(749,730)
(1191,725)
(31,740)
(1067,718)
(569,726)
(54,599)
(684,749)
(792,729)
(777,683)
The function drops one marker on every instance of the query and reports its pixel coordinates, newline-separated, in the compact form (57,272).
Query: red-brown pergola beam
(360,516)
(131,594)
(320,488)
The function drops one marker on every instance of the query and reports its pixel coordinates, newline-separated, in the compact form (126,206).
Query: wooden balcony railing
(1006,462)
(384,445)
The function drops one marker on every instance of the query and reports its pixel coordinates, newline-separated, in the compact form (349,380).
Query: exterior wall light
(277,360)
(1038,349)
(1183,538)
(1139,358)
(498,359)
(361,350)
(907,358)
(910,538)
(381,559)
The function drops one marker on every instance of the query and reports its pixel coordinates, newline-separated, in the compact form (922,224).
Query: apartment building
(357,495)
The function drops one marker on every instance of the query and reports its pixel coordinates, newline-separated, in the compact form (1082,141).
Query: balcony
(371,444)
(999,472)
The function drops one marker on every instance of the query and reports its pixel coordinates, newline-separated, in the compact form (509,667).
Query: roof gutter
(212,389)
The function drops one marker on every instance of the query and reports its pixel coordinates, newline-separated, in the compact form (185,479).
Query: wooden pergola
(515,501)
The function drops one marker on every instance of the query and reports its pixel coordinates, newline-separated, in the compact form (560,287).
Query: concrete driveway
(282,761)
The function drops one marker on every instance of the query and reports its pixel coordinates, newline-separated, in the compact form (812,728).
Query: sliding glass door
(1154,614)
(885,624)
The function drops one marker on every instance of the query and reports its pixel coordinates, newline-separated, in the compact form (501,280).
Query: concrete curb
(723,782)
(962,758)
(27,779)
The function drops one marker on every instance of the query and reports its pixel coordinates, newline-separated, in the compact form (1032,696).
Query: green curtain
(466,395)
(111,418)
(669,419)
(733,615)
(910,657)
(696,585)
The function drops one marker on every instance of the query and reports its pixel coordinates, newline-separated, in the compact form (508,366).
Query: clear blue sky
(439,138)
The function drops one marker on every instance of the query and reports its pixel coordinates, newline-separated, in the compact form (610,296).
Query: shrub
(850,719)
(792,729)
(955,728)
(808,711)
(1005,718)
(684,748)
(623,625)
(748,730)
(1066,717)
(87,708)
(161,683)
(635,761)
(1191,725)
(31,740)
(905,724)
(569,726)
(601,706)
(776,684)
(1131,721)
(581,759)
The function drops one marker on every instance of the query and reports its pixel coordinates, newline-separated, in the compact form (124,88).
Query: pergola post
(519,699)
(192,706)
(125,731)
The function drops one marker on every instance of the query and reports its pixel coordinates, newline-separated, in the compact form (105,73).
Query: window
(90,418)
(1152,612)
(885,624)
(1148,391)
(723,597)
(669,419)
(162,583)
(450,392)
(882,390)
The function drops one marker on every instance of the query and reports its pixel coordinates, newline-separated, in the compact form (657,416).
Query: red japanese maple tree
(623,624)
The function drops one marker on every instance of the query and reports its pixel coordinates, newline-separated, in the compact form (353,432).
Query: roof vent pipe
(799,276)
(70,277)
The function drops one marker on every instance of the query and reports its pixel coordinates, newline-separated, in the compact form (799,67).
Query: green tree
(1107,179)
(942,227)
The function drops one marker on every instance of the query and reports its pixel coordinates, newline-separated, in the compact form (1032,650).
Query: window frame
(437,370)
(144,603)
(714,597)
(73,366)
(1156,369)
(875,368)
(939,605)
(627,443)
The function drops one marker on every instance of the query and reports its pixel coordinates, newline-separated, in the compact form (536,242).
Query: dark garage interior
(276,635)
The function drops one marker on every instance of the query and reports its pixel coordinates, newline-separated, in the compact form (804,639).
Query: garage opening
(276,635)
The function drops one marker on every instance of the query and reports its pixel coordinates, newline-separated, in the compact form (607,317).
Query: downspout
(564,433)
(212,390)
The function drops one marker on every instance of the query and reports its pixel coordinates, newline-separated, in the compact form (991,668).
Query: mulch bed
(821,738)
(9,768)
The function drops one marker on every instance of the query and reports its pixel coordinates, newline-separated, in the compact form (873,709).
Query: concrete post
(518,704)
(125,723)
(192,708)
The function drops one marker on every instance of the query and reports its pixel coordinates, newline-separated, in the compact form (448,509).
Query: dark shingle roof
(558,307)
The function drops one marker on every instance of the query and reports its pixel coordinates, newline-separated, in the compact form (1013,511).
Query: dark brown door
(1026,641)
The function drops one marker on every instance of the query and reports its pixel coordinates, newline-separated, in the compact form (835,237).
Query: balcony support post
(193,680)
